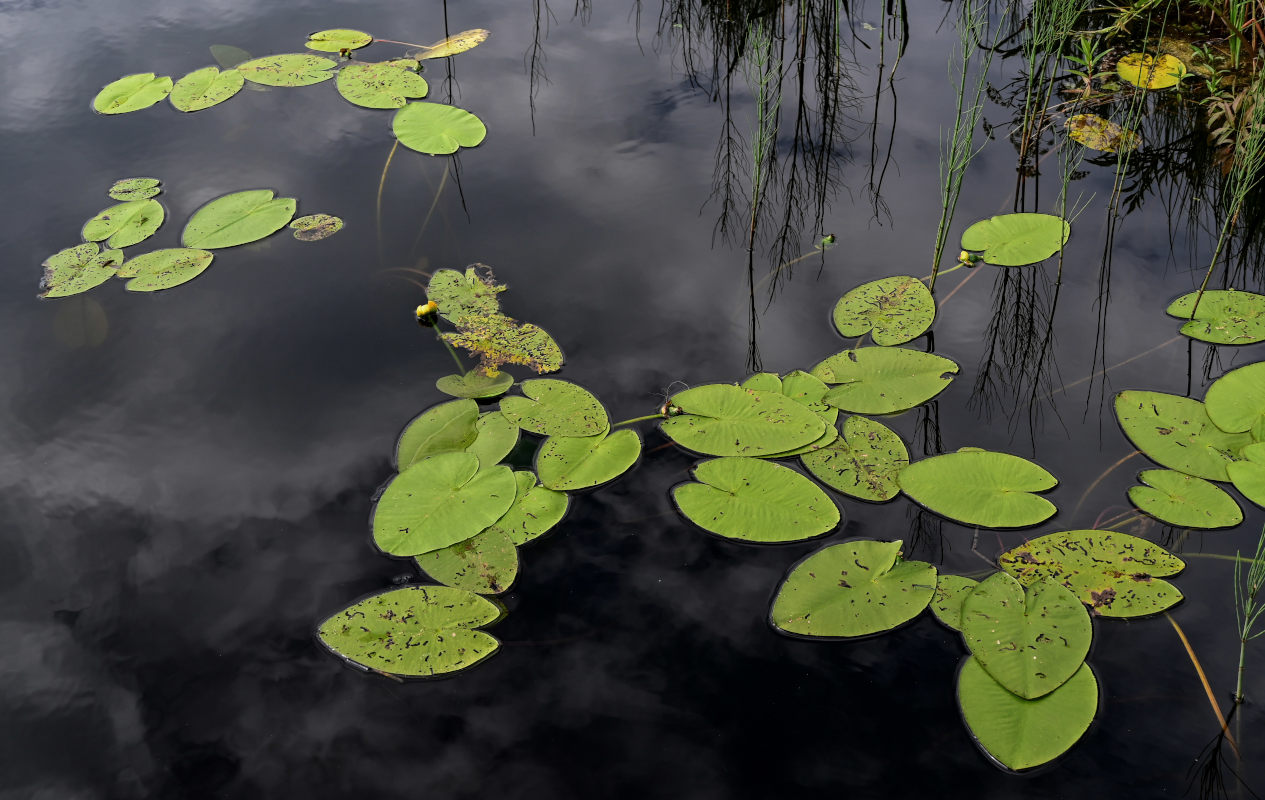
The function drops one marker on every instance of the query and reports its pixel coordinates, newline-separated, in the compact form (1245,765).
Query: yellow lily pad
(1098,133)
(1149,72)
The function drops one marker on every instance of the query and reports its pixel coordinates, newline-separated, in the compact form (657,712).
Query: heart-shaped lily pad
(535,512)
(125,224)
(78,269)
(386,84)
(1151,72)
(1222,316)
(865,462)
(132,93)
(807,390)
(569,463)
(1015,240)
(556,408)
(163,269)
(883,380)
(205,87)
(484,564)
(437,129)
(1177,433)
(335,40)
(951,591)
(476,384)
(288,69)
(1185,501)
(237,218)
(446,428)
(979,487)
(721,419)
(135,188)
(893,310)
(756,501)
(853,589)
(1235,402)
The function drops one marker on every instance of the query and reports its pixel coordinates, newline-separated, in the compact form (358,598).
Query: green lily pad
(1098,133)
(807,391)
(315,227)
(135,188)
(951,590)
(476,384)
(288,69)
(1015,240)
(387,84)
(865,462)
(78,269)
(756,501)
(205,87)
(163,269)
(484,564)
(883,380)
(1151,72)
(439,501)
(556,408)
(853,589)
(237,218)
(452,45)
(1185,501)
(893,310)
(1177,433)
(1020,733)
(416,630)
(336,40)
(132,93)
(1236,401)
(764,382)
(496,438)
(1222,316)
(535,512)
(437,129)
(1115,574)
(568,463)
(725,420)
(445,428)
(498,339)
(472,293)
(125,224)
(979,487)
(1249,476)
(1030,643)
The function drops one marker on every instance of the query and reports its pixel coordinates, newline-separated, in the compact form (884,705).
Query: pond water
(186,477)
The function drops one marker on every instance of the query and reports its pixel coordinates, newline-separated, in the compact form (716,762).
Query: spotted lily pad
(457,43)
(437,129)
(1015,240)
(205,87)
(556,408)
(78,269)
(1184,501)
(289,69)
(386,84)
(883,380)
(414,631)
(1177,433)
(498,339)
(808,391)
(980,487)
(445,428)
(135,188)
(132,93)
(237,218)
(853,589)
(1098,133)
(476,384)
(892,310)
(864,462)
(1222,316)
(726,420)
(472,293)
(336,40)
(951,590)
(535,512)
(163,269)
(756,501)
(484,564)
(1151,72)
(568,463)
(125,224)
(1236,401)
(315,227)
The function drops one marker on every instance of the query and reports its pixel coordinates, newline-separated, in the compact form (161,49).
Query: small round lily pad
(315,227)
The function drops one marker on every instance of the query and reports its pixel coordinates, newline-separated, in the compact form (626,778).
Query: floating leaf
(853,589)
(556,408)
(476,384)
(764,382)
(535,511)
(163,269)
(1149,72)
(439,501)
(125,224)
(445,428)
(457,43)
(78,269)
(893,310)
(416,630)
(951,590)
(756,501)
(1115,574)
(135,189)
(386,84)
(883,380)
(496,438)
(1236,401)
(484,564)
(1222,316)
(336,40)
(1249,476)
(1029,643)
(205,87)
(1023,733)
(979,487)
(132,93)
(568,463)
(498,339)
(473,293)
(1184,501)
(228,56)
(865,462)
(725,420)
(315,227)
(289,69)
(807,391)
(1098,133)
(237,218)
(1176,432)
(1015,240)
(437,129)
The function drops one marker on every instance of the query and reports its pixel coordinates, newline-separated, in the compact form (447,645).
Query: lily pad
(472,293)
(951,590)
(764,382)
(1015,240)
(1249,476)
(725,420)
(125,224)
(457,43)
(556,408)
(883,380)
(484,564)
(892,310)
(865,462)
(336,40)
(1098,133)
(1029,643)
(205,87)
(807,390)
(476,384)
(756,501)
(1236,401)
(439,501)
(386,84)
(237,218)
(1184,501)
(1177,433)
(315,227)
(1021,733)
(135,188)
(446,428)
(853,589)
(496,438)
(1222,316)
(437,129)
(1150,72)
(416,630)
(78,269)
(288,69)
(132,93)
(163,269)
(979,487)
(568,463)
(535,512)
(498,339)
(1115,574)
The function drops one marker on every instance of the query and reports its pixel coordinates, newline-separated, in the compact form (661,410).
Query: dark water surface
(186,478)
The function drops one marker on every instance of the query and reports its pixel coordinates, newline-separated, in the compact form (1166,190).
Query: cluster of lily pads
(237,218)
(1145,71)
(432,128)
